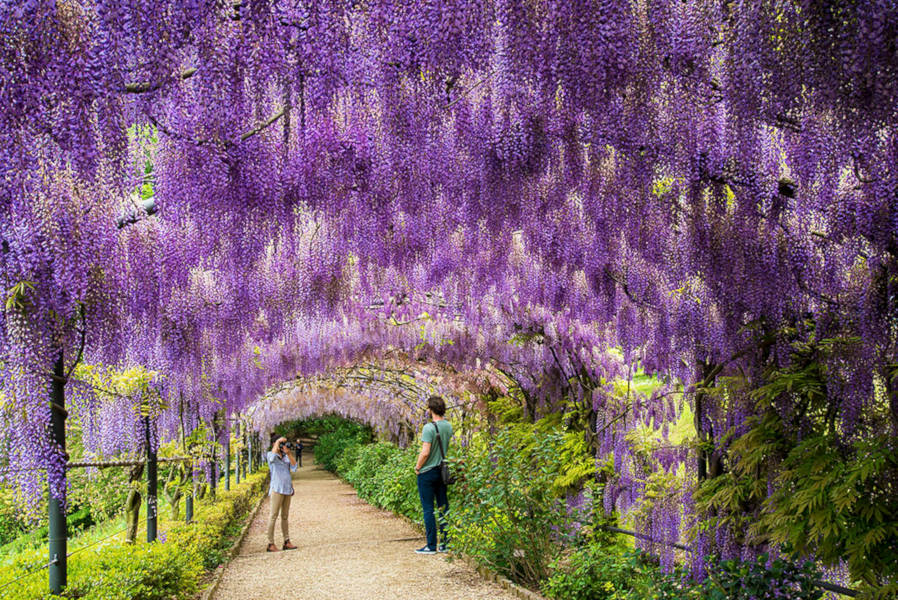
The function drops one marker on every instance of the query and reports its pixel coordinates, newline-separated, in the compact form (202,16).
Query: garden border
(235,548)
(485,572)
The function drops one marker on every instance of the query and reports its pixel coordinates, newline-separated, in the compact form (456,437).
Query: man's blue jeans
(430,488)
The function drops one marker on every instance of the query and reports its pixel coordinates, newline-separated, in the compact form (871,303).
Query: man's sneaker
(425,550)
(442,548)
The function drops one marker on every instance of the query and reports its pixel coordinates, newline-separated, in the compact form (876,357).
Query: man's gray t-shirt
(429,435)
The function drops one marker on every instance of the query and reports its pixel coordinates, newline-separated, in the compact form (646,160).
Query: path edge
(235,548)
(485,572)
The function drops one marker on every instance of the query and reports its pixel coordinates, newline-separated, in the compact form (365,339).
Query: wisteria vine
(341,183)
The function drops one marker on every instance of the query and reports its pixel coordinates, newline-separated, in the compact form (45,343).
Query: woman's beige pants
(279,504)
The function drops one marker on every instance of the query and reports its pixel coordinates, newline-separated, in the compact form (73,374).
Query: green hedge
(381,472)
(508,511)
(171,569)
(384,476)
(330,446)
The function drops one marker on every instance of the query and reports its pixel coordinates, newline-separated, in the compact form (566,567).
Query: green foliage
(101,492)
(368,460)
(347,459)
(608,571)
(316,426)
(733,580)
(17,297)
(166,570)
(12,523)
(145,572)
(575,464)
(331,445)
(506,409)
(505,514)
(334,423)
(833,496)
(383,475)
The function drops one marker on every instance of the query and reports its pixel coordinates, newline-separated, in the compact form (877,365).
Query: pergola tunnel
(646,251)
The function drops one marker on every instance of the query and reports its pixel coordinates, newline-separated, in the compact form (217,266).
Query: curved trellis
(708,187)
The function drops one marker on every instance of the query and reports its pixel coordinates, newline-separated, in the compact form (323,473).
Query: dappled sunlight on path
(347,550)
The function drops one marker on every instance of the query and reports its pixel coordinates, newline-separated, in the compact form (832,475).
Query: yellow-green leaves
(17,297)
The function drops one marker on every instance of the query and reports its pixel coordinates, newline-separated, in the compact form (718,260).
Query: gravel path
(348,550)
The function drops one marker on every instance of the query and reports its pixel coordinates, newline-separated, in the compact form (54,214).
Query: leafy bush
(797,480)
(397,484)
(161,571)
(102,492)
(315,427)
(505,514)
(331,445)
(610,572)
(733,580)
(12,523)
(384,475)
(363,475)
(347,459)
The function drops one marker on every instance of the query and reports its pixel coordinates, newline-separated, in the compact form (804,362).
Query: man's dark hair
(437,405)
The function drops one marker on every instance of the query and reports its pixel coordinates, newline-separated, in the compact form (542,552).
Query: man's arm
(422,456)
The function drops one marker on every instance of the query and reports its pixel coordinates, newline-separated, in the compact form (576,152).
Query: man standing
(435,437)
(281,463)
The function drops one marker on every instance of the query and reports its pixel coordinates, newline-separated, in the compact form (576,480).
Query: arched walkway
(348,550)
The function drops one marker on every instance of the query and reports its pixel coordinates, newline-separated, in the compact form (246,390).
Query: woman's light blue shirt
(280,468)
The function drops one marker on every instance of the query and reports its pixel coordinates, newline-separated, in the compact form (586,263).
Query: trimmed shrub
(331,445)
(166,570)
(384,475)
(613,572)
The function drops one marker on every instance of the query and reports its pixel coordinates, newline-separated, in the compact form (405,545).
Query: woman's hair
(437,405)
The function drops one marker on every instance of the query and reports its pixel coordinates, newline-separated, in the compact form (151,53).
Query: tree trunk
(132,504)
(172,491)
(704,370)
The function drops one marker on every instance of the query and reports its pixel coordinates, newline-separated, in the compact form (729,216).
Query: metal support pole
(152,485)
(228,462)
(246,453)
(188,504)
(238,457)
(250,454)
(213,473)
(58,528)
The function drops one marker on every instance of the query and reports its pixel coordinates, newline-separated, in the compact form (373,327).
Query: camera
(293,446)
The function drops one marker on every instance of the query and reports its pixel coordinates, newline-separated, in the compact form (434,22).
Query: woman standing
(281,463)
